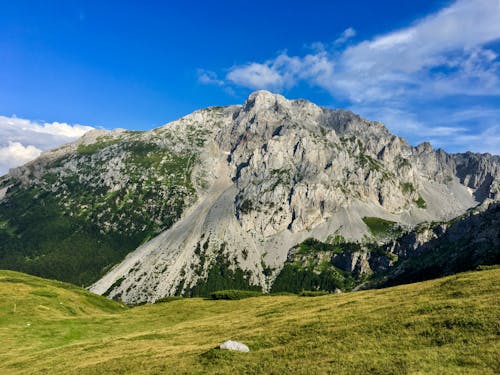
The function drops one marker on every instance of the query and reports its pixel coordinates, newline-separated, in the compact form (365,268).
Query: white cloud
(16,154)
(208,77)
(446,54)
(257,76)
(345,36)
(441,54)
(283,72)
(487,140)
(450,131)
(22,140)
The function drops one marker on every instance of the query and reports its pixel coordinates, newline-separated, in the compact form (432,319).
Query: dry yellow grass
(444,326)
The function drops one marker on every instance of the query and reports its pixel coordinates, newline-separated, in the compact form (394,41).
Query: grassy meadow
(443,326)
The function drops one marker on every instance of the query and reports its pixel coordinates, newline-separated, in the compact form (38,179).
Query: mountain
(218,198)
(429,250)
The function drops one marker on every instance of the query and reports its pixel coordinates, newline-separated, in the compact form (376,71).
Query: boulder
(234,345)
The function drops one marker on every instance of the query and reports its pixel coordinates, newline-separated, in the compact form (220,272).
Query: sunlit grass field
(443,326)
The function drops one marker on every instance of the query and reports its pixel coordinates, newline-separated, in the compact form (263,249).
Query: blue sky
(430,70)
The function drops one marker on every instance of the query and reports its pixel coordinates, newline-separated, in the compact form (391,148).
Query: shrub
(311,245)
(486,267)
(421,202)
(407,187)
(234,294)
(168,299)
(246,206)
(313,293)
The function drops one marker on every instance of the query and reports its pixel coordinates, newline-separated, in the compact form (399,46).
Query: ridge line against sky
(430,73)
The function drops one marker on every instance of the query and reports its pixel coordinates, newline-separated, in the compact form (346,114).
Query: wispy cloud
(256,76)
(283,72)
(345,36)
(208,77)
(441,54)
(22,140)
(474,129)
(487,140)
(447,54)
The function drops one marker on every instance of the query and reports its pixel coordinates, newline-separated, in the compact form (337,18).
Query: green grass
(99,145)
(442,326)
(382,228)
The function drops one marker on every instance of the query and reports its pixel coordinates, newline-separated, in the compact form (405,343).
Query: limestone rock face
(295,170)
(258,178)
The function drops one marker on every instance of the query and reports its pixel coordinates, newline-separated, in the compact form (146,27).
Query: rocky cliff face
(241,185)
(429,250)
(433,250)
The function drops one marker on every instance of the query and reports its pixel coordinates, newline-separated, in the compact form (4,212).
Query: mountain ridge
(241,185)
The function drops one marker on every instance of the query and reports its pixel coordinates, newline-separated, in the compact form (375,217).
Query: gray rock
(234,345)
(278,171)
(264,176)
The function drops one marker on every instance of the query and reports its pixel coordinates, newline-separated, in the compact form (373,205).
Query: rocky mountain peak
(262,100)
(424,147)
(239,186)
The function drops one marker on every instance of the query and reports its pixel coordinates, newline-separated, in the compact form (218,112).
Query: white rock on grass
(234,345)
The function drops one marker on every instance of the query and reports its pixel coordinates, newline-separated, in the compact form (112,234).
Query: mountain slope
(429,251)
(435,250)
(443,326)
(228,191)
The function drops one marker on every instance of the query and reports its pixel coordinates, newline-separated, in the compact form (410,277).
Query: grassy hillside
(443,326)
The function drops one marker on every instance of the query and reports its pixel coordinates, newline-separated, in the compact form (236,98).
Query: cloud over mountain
(22,140)
(426,66)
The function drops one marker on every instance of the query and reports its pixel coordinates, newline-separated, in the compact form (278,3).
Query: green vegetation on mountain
(470,242)
(89,209)
(407,187)
(461,244)
(295,277)
(92,148)
(381,228)
(222,277)
(311,245)
(39,239)
(443,326)
(421,203)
